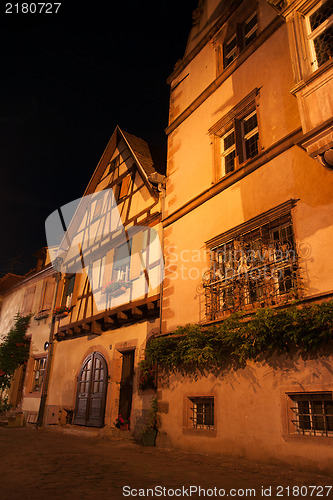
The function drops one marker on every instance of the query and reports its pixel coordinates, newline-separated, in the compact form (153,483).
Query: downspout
(160,180)
(161,188)
(43,398)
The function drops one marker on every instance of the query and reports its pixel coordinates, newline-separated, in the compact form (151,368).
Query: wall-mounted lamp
(326,159)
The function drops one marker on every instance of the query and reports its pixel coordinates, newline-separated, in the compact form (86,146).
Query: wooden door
(91,392)
(126,385)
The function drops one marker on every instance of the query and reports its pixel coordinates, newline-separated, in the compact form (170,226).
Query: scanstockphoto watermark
(188,491)
(225,263)
(88,236)
(276,491)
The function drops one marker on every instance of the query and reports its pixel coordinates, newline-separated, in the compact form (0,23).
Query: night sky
(67,80)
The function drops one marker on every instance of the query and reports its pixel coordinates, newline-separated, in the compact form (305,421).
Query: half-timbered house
(32,294)
(111,268)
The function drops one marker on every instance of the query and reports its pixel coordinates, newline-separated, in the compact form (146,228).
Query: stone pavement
(44,464)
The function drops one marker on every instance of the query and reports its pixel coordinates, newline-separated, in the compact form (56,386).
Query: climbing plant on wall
(14,349)
(241,337)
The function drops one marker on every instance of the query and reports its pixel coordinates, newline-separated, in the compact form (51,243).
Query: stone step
(12,419)
(105,432)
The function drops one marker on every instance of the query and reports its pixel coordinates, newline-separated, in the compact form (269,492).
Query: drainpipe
(43,398)
(160,180)
(161,188)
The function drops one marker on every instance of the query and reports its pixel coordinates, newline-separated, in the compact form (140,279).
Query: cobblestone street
(45,464)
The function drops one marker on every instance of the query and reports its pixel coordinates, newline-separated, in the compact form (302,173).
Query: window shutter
(125,186)
(108,267)
(28,300)
(136,257)
(48,294)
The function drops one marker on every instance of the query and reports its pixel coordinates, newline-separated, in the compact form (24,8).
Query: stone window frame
(234,28)
(313,34)
(289,395)
(303,55)
(234,120)
(188,427)
(241,38)
(220,287)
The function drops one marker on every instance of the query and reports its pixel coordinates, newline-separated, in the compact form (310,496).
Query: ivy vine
(14,349)
(240,338)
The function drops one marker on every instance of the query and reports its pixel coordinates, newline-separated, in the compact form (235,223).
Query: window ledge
(33,394)
(312,77)
(321,440)
(210,433)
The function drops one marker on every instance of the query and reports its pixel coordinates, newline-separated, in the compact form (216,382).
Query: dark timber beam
(108,322)
(122,317)
(96,328)
(85,328)
(137,313)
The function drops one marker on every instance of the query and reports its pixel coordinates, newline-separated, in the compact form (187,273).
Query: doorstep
(12,418)
(104,432)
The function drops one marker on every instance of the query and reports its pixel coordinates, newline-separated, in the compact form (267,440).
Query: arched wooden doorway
(91,392)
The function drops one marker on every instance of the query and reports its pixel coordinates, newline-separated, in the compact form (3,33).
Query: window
(320,33)
(38,374)
(122,188)
(230,51)
(114,164)
(312,413)
(228,144)
(244,35)
(202,412)
(98,208)
(240,143)
(122,260)
(68,291)
(96,270)
(250,29)
(252,265)
(235,137)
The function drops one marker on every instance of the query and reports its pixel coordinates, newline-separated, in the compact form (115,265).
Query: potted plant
(148,374)
(61,311)
(149,430)
(122,423)
(116,287)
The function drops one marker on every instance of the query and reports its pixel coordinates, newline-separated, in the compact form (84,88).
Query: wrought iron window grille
(257,267)
(313,414)
(202,413)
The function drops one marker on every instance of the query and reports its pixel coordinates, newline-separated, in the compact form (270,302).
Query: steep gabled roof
(141,150)
(8,281)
